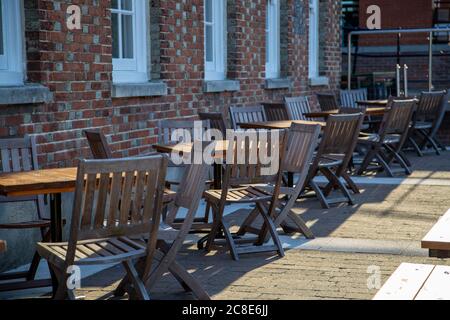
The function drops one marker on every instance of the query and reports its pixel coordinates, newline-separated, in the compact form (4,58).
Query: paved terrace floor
(381,230)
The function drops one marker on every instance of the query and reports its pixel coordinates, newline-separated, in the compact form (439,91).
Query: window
(129,40)
(273,39)
(215,39)
(313,39)
(11,37)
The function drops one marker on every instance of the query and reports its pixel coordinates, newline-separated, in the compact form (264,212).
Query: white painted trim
(273,43)
(135,70)
(313,39)
(216,69)
(12,62)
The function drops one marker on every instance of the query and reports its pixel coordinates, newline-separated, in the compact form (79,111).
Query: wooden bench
(417,282)
(437,240)
(2,246)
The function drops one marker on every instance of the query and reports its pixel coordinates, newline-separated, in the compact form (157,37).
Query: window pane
(127,5)
(127,37)
(267,47)
(115,35)
(209,43)
(115,4)
(1,28)
(208,10)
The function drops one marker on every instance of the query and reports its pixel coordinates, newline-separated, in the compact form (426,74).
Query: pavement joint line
(353,245)
(393,181)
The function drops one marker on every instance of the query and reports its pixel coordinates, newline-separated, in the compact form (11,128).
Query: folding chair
(216,120)
(333,157)
(116,201)
(246,115)
(386,146)
(427,121)
(19,154)
(327,101)
(349,98)
(297,107)
(243,174)
(275,111)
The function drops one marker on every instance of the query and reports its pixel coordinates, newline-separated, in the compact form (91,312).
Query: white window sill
(278,83)
(221,85)
(145,89)
(319,81)
(29,93)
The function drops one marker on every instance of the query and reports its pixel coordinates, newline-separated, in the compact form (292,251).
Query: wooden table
(285,124)
(383,103)
(371,111)
(417,282)
(2,246)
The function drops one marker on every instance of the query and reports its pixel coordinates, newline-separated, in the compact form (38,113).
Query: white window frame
(273,31)
(134,70)
(12,62)
(216,69)
(313,39)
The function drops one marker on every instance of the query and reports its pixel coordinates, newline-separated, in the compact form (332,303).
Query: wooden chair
(243,170)
(386,146)
(216,120)
(302,140)
(19,154)
(297,107)
(333,157)
(115,201)
(246,115)
(98,144)
(349,98)
(427,121)
(327,101)
(184,130)
(275,111)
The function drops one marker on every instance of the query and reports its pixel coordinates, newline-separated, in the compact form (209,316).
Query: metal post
(430,63)
(405,79)
(397,72)
(349,63)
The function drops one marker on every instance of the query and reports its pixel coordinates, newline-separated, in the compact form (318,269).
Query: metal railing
(430,31)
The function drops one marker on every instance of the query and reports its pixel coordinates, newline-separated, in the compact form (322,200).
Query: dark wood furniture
(417,282)
(333,157)
(297,108)
(350,98)
(437,240)
(327,101)
(98,144)
(19,155)
(217,121)
(370,111)
(116,201)
(386,146)
(241,115)
(278,124)
(275,111)
(427,121)
(239,187)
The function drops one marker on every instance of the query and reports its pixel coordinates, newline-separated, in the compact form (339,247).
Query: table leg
(290,179)
(217,176)
(56,217)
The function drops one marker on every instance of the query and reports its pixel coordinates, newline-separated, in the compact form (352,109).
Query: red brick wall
(76,66)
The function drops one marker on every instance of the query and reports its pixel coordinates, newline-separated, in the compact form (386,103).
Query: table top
(383,102)
(185,148)
(373,111)
(46,181)
(2,246)
(284,124)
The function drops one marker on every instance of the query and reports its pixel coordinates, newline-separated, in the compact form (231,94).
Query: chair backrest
(301,142)
(340,135)
(99,146)
(430,105)
(397,119)
(216,120)
(246,115)
(117,197)
(275,111)
(350,97)
(184,130)
(17,155)
(297,107)
(327,101)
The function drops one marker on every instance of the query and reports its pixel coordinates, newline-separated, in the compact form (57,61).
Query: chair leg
(399,159)
(350,182)
(272,229)
(62,292)
(366,162)
(301,225)
(230,241)
(341,186)
(385,165)
(197,289)
(415,146)
(433,144)
(138,285)
(323,201)
(247,222)
(214,229)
